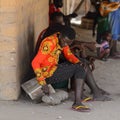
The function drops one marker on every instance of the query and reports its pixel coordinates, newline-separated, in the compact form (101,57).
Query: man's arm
(44,50)
(69,55)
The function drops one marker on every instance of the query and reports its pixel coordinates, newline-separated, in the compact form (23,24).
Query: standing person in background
(55,7)
(114,19)
(110,12)
(102,24)
(56,18)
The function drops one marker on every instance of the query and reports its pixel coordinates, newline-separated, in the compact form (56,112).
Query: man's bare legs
(98,93)
(77,105)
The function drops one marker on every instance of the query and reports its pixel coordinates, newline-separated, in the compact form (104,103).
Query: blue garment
(114,20)
(114,0)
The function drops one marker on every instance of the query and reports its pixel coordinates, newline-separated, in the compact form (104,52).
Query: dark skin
(45,89)
(58,3)
(98,93)
(58,19)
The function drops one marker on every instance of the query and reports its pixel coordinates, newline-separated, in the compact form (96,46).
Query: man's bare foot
(101,98)
(104,92)
(101,91)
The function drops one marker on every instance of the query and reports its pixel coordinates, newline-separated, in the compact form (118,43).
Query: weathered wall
(20,23)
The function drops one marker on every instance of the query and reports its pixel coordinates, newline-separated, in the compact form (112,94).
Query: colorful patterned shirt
(46,61)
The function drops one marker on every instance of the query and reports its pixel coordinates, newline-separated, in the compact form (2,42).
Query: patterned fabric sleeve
(44,50)
(69,55)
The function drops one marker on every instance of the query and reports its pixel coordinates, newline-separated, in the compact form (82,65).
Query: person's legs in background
(114,51)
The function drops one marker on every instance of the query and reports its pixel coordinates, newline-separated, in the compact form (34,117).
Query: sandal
(81,108)
(87,99)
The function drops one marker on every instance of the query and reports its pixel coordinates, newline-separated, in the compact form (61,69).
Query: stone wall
(20,23)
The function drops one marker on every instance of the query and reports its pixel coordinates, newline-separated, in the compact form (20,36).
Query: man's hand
(45,89)
(83,65)
(91,62)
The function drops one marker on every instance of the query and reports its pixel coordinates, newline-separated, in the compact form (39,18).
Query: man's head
(67,34)
(57,17)
(58,3)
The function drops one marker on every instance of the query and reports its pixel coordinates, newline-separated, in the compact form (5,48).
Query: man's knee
(80,72)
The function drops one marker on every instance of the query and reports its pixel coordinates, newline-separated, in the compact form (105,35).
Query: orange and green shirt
(45,62)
